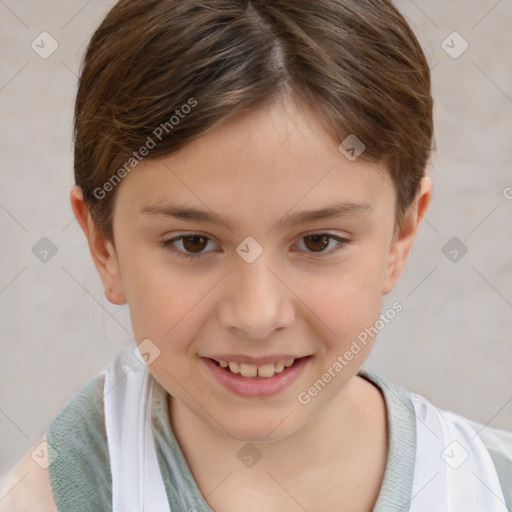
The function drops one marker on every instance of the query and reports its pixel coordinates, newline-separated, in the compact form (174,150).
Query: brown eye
(319,244)
(192,246)
(316,243)
(194,243)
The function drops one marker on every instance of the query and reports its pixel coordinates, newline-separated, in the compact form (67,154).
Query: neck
(334,438)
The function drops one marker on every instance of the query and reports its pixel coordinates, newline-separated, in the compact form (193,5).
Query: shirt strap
(137,484)
(454,471)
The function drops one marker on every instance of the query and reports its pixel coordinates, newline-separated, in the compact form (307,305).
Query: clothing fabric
(125,406)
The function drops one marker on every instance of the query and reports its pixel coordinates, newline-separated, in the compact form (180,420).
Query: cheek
(162,300)
(345,300)
(168,301)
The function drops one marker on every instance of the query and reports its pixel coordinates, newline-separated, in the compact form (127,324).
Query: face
(254,278)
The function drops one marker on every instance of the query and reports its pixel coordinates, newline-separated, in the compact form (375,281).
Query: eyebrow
(293,219)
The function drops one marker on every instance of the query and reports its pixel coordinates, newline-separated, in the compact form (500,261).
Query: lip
(256,386)
(259,361)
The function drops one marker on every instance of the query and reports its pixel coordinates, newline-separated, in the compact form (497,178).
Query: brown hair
(168,71)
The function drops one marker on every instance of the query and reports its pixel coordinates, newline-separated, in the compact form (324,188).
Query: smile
(250,380)
(251,370)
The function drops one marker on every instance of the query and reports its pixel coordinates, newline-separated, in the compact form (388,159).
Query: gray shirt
(81,476)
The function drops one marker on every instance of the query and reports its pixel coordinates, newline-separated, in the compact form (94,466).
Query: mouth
(251,380)
(264,371)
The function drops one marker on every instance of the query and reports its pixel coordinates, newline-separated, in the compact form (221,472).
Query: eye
(317,242)
(194,245)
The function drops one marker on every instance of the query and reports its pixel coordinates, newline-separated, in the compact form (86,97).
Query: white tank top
(137,484)
(453,471)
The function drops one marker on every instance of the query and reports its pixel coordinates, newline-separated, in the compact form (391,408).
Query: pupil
(323,239)
(194,239)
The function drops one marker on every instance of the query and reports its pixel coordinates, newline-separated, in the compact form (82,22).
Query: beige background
(452,342)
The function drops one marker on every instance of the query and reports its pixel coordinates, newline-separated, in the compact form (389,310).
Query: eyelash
(167,244)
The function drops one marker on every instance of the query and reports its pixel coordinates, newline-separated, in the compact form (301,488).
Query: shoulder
(69,468)
(78,451)
(499,445)
(496,442)
(403,421)
(27,486)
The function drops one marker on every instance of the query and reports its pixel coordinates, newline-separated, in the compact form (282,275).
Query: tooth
(234,367)
(248,370)
(279,367)
(266,370)
(252,370)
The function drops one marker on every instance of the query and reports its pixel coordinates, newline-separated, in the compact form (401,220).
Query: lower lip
(257,386)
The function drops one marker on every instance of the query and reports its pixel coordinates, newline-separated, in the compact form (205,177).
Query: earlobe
(405,235)
(102,251)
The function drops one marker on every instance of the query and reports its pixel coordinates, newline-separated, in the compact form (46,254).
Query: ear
(102,251)
(404,236)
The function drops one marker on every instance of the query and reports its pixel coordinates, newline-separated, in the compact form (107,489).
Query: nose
(256,301)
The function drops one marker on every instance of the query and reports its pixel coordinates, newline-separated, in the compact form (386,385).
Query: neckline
(396,489)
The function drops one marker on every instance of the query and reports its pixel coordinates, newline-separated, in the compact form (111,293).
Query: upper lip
(259,361)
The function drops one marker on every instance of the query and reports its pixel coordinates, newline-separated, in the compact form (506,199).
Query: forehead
(271,159)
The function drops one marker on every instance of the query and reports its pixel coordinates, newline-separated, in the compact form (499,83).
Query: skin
(254,170)
(27,486)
